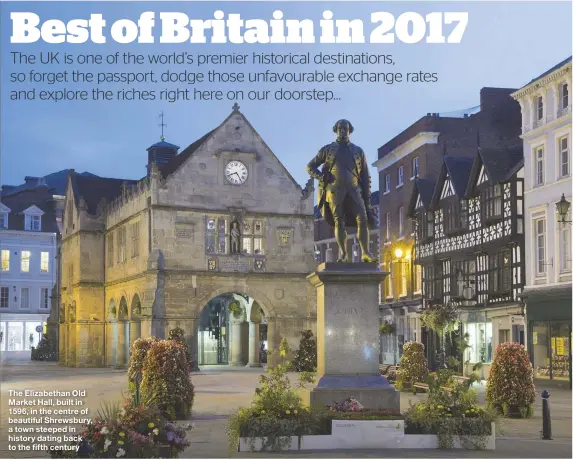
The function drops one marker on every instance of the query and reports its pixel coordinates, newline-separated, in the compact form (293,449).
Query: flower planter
(369,434)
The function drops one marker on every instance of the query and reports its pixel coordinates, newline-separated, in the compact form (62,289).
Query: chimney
(30,180)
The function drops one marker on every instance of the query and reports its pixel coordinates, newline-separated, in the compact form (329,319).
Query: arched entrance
(232,330)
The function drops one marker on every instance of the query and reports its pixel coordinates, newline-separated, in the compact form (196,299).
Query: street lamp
(562,209)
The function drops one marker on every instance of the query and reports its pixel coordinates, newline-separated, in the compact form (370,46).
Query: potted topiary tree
(413,366)
(166,383)
(510,389)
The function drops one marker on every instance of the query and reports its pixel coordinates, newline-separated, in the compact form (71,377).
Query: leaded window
(253,236)
(464,279)
(492,202)
(500,272)
(426,226)
(216,235)
(433,282)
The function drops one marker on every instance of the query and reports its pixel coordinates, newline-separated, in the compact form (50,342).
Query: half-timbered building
(469,239)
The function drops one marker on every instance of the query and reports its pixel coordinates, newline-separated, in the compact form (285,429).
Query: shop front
(549,335)
(18,333)
(405,326)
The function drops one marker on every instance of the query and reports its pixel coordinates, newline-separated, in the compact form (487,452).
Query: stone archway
(256,317)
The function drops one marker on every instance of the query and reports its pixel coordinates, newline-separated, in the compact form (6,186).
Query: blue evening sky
(506,44)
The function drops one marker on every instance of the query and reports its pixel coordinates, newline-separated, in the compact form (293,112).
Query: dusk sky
(506,44)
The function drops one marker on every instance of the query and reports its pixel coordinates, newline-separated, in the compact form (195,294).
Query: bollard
(546,414)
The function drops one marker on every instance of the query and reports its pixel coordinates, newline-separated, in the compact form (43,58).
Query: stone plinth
(348,337)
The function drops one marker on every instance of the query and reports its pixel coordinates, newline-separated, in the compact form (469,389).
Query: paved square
(218,390)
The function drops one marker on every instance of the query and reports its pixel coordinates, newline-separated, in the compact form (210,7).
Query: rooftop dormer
(33,219)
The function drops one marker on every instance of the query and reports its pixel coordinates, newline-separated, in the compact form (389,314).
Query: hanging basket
(236,309)
(440,318)
(386,328)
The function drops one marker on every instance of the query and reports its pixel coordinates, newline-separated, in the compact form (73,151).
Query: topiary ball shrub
(510,389)
(305,357)
(178,335)
(139,350)
(413,365)
(166,383)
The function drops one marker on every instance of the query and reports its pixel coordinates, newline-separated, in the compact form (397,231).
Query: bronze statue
(344,189)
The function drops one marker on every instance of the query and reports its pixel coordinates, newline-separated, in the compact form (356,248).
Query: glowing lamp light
(563,208)
(398,253)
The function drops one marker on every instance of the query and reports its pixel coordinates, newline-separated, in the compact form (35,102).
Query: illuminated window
(44,262)
(25,265)
(5,260)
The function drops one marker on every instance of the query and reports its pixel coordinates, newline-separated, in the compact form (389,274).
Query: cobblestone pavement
(219,390)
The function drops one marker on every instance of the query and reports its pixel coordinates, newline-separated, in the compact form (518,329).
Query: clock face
(236,172)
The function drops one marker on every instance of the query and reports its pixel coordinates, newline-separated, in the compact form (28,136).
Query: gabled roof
(33,210)
(174,164)
(457,170)
(178,160)
(424,188)
(500,165)
(93,189)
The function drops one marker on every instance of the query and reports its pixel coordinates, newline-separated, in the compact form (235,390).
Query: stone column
(121,357)
(135,330)
(272,348)
(254,360)
(236,346)
(348,337)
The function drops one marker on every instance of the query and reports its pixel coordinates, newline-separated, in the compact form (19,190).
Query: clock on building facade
(236,172)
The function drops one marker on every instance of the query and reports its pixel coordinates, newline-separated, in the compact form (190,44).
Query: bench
(461,378)
(386,369)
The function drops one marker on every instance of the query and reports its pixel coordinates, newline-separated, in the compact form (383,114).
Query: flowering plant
(510,387)
(440,318)
(450,410)
(134,432)
(413,365)
(166,383)
(139,350)
(386,328)
(178,335)
(349,404)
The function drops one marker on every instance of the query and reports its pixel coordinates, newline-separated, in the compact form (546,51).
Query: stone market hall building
(217,240)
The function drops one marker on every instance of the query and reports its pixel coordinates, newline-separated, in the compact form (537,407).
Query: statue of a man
(344,189)
(235,238)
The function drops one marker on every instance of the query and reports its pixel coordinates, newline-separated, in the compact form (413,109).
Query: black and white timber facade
(469,239)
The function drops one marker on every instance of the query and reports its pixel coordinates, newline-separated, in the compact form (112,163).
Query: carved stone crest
(285,236)
(211,264)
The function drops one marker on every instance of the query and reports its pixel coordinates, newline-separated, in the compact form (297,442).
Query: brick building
(417,152)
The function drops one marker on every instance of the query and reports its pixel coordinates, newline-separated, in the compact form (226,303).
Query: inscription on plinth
(230,265)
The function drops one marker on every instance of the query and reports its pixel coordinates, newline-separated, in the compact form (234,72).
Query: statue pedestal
(348,337)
